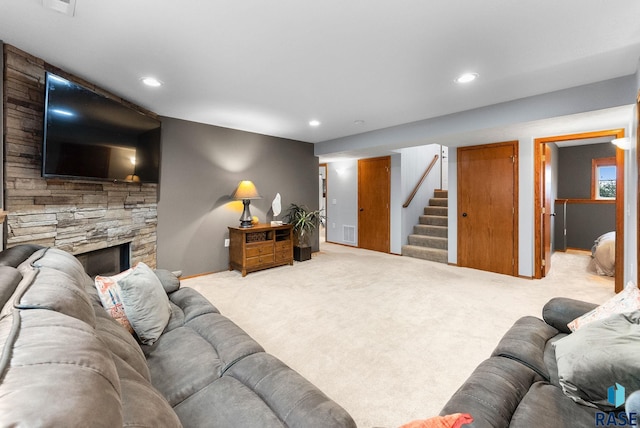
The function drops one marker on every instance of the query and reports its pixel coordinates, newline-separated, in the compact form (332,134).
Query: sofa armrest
(560,311)
(14,256)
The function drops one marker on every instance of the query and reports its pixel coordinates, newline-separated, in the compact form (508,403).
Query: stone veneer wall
(76,216)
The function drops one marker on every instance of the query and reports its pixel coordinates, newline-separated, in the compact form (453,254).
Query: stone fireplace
(75,216)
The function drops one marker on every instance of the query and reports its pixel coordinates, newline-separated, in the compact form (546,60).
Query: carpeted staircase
(429,239)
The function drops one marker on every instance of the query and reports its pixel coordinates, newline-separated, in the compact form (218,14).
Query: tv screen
(90,136)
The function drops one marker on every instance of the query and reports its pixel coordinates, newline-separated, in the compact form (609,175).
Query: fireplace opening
(106,261)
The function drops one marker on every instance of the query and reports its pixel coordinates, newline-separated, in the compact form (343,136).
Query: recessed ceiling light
(358,122)
(314,123)
(466,78)
(68,7)
(151,81)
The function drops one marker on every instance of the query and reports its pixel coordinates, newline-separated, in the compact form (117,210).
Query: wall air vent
(68,7)
(349,234)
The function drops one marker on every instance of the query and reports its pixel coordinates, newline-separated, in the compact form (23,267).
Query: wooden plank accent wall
(76,216)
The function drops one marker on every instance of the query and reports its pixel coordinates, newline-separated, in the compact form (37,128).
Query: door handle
(552,214)
(464,214)
(361,209)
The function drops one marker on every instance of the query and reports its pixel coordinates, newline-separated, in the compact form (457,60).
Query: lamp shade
(246,190)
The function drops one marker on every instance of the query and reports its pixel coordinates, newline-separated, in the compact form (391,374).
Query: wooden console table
(260,247)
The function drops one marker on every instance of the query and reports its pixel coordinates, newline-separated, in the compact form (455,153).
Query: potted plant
(304,222)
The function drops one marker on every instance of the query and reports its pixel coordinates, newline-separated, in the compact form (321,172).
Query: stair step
(435,220)
(438,193)
(431,230)
(429,241)
(438,202)
(432,254)
(443,211)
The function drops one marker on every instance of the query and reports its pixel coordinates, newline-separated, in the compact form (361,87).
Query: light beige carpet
(390,338)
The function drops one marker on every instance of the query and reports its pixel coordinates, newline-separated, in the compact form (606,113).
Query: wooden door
(547,211)
(488,208)
(374,194)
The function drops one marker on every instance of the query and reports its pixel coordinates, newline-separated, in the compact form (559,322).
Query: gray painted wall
(200,168)
(574,168)
(2,138)
(584,222)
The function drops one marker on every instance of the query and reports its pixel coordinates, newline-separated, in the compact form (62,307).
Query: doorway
(542,244)
(374,195)
(488,207)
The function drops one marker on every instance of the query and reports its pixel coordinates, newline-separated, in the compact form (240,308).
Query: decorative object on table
(245,192)
(276,207)
(304,221)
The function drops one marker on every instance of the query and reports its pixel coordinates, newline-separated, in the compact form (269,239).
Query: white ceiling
(271,66)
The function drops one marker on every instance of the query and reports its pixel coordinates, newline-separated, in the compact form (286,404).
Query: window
(603,178)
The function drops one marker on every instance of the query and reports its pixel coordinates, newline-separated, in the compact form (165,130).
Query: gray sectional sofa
(66,362)
(521,384)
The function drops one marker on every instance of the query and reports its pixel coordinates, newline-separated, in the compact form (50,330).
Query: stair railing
(415,189)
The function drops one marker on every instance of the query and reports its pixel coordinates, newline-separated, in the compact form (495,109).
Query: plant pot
(301,254)
(302,238)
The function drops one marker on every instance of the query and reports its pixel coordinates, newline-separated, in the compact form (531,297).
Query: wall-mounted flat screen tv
(90,136)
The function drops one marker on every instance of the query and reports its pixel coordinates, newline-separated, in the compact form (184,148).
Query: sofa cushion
(525,342)
(226,403)
(121,343)
(56,372)
(598,356)
(142,404)
(549,407)
(493,392)
(292,398)
(214,343)
(58,285)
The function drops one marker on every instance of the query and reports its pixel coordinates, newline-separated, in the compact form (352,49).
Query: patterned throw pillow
(111,299)
(628,300)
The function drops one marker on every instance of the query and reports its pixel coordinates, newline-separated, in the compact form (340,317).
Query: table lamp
(246,191)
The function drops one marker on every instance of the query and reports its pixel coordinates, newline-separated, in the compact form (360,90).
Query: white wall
(342,200)
(631,209)
(414,161)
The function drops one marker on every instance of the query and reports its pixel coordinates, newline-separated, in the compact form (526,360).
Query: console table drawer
(282,256)
(283,246)
(263,260)
(259,250)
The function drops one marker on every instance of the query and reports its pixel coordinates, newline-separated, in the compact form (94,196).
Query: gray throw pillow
(597,357)
(145,302)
